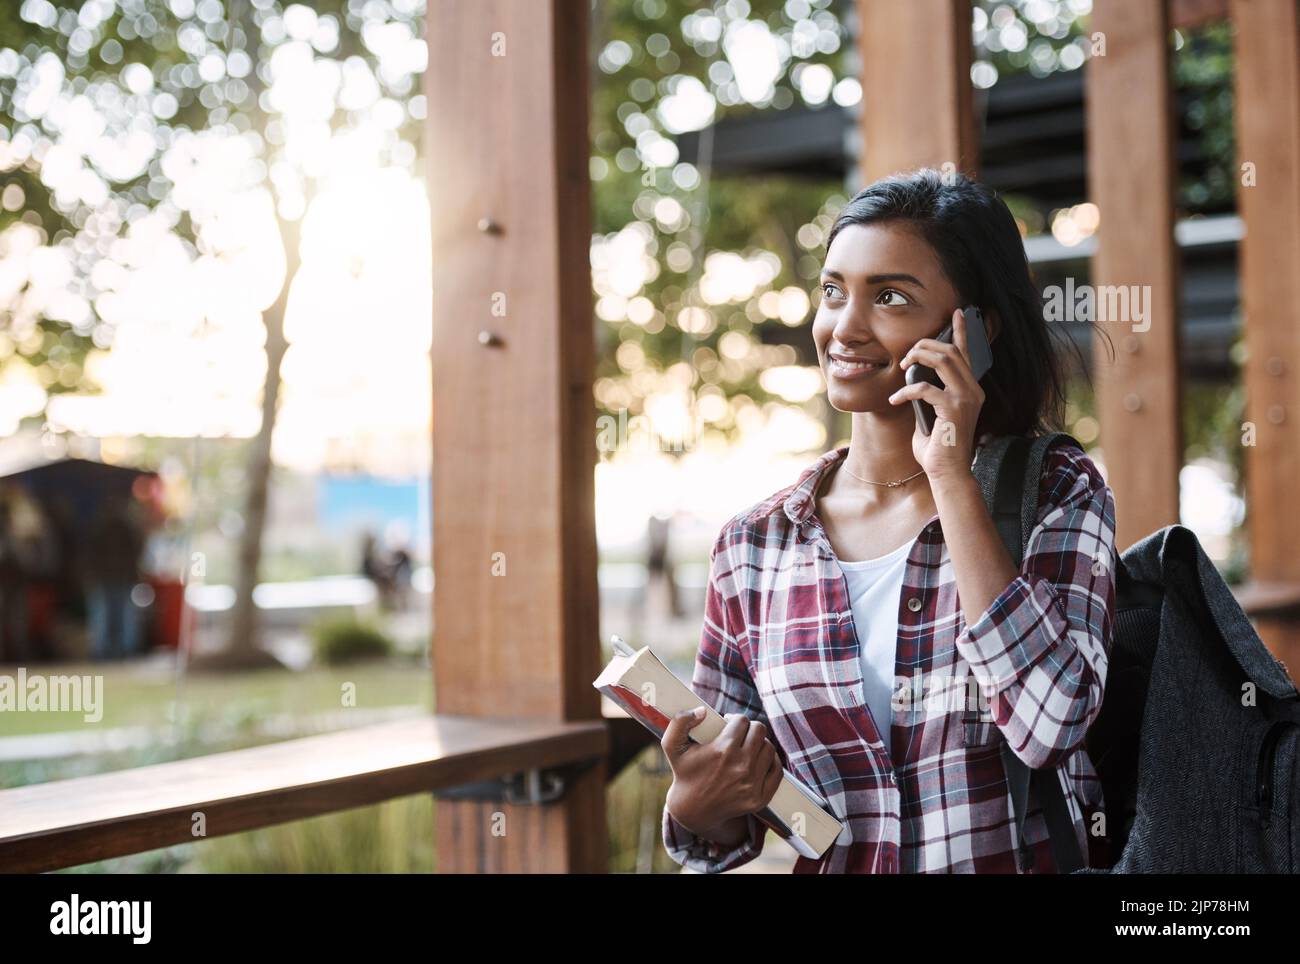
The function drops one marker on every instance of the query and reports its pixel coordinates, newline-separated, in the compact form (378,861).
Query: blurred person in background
(28,566)
(399,569)
(39,552)
(659,566)
(111,569)
(375,568)
(13,592)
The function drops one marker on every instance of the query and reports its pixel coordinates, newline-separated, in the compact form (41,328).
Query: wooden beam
(1268,197)
(1265,600)
(1190,14)
(917,102)
(515,594)
(70,822)
(1131,178)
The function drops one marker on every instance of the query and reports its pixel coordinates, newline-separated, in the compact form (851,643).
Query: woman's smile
(847,367)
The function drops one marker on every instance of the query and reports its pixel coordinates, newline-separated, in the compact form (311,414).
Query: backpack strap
(1009,480)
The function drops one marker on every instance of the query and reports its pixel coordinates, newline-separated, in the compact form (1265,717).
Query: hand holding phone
(981,360)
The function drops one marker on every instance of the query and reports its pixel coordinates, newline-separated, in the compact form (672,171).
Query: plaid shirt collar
(799,503)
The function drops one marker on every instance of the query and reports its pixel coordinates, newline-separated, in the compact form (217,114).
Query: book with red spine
(647,690)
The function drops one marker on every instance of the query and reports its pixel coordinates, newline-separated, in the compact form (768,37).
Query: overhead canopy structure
(72,489)
(1030,134)
(70,493)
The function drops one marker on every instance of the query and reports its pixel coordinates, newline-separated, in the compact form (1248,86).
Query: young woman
(847,614)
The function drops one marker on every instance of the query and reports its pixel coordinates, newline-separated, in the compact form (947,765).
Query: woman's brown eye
(890,292)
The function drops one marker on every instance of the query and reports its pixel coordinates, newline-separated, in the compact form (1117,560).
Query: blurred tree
(702,318)
(109,106)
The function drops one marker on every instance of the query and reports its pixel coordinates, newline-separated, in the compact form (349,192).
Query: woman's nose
(851,326)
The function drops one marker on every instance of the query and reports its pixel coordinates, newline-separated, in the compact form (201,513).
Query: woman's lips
(847,369)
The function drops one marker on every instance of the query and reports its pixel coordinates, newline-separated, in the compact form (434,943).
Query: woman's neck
(880,446)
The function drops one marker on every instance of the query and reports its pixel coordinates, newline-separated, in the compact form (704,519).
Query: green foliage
(663,46)
(1203,76)
(1202,69)
(394,837)
(347,639)
(634,803)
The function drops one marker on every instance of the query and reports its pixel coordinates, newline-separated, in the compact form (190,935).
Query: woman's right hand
(717,782)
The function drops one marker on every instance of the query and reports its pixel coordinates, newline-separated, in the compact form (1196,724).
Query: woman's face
(882,290)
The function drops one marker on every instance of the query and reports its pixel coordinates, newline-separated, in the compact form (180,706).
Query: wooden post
(1268,196)
(1131,177)
(514,546)
(917,103)
(1190,14)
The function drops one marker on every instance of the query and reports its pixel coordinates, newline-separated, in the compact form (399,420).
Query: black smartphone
(981,360)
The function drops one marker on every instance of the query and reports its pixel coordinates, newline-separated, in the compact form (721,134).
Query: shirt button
(914,604)
(893,779)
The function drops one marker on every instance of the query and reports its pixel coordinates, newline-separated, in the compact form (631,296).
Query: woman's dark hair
(979,247)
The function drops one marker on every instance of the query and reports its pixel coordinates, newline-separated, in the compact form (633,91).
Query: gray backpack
(1197,743)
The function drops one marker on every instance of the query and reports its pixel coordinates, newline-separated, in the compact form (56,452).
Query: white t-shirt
(875,586)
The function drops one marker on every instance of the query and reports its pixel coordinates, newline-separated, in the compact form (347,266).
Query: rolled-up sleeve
(722,680)
(1040,650)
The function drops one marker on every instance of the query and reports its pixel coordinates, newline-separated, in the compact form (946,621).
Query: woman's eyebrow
(876,279)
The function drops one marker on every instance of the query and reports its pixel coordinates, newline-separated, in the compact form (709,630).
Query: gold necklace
(889,485)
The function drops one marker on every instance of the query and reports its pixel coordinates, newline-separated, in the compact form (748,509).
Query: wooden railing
(70,822)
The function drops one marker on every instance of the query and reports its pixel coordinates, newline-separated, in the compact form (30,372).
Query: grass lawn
(140,695)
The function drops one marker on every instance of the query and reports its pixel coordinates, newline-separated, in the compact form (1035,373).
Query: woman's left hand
(949,448)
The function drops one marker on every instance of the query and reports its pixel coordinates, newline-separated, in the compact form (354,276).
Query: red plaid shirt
(779,646)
